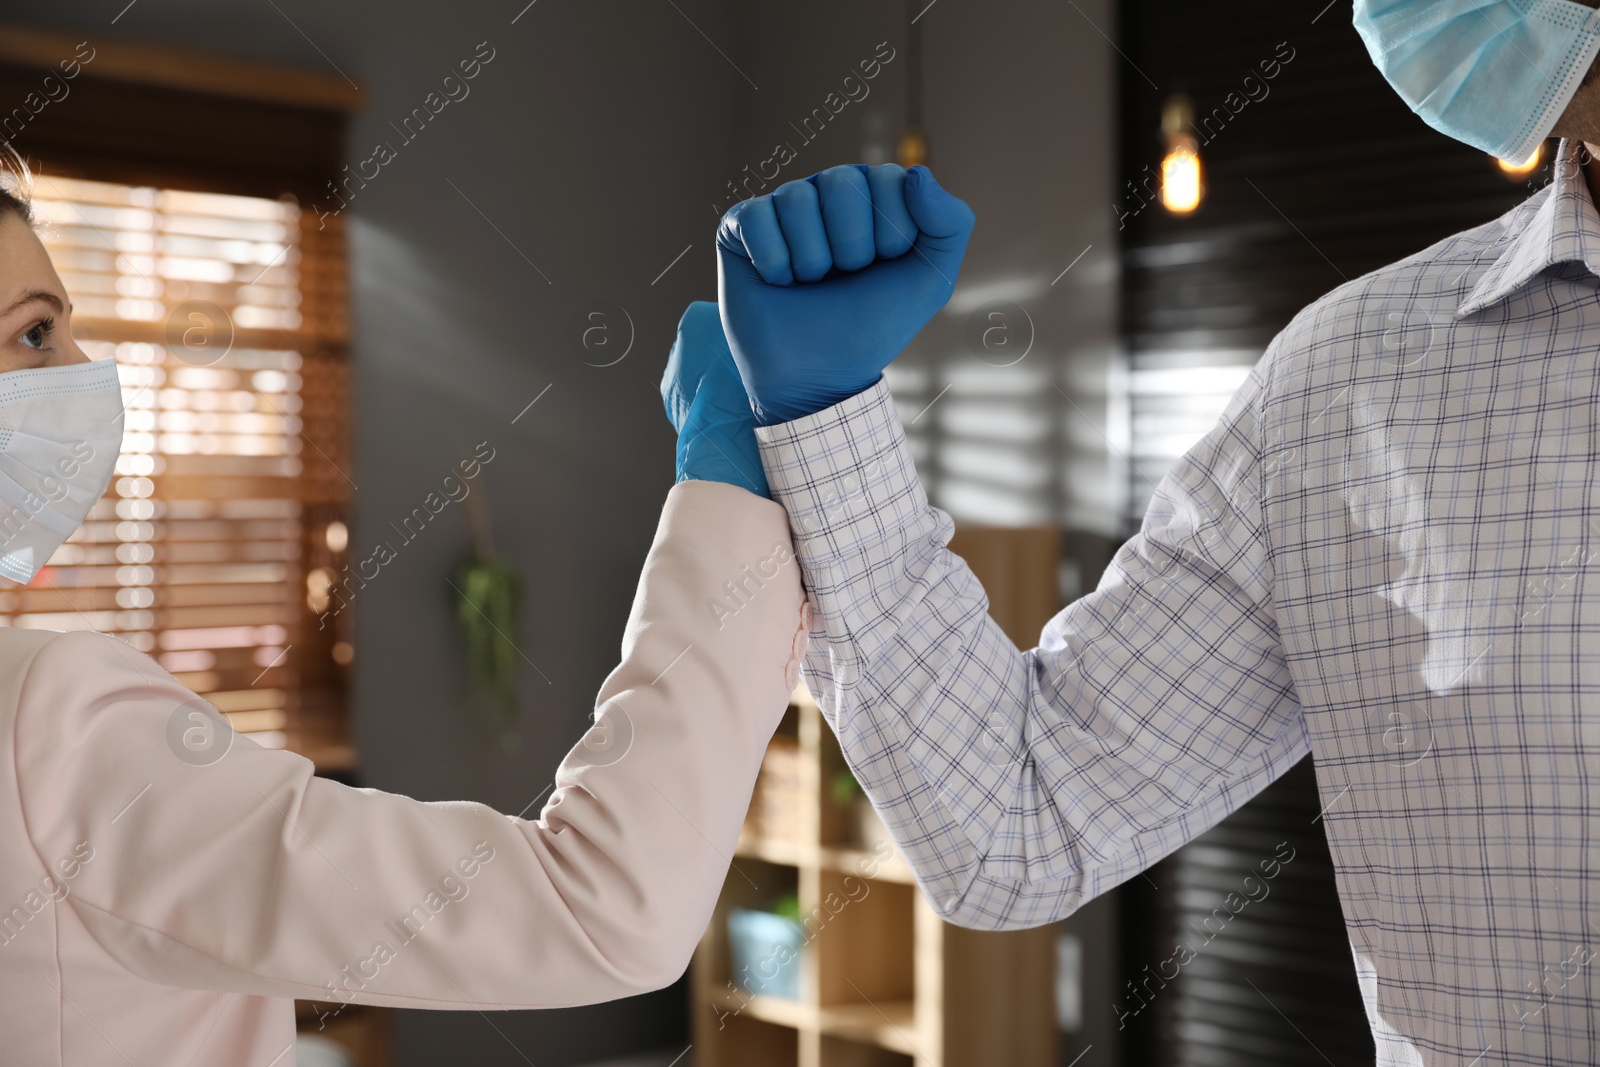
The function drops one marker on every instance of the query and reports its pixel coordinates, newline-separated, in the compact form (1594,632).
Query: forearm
(247,874)
(949,774)
(898,628)
(641,839)
(1021,784)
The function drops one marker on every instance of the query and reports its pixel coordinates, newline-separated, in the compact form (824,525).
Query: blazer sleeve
(208,862)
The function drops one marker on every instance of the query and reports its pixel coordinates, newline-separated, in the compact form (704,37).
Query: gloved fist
(826,279)
(708,407)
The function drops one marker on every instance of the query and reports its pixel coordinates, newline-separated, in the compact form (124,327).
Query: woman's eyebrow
(36,294)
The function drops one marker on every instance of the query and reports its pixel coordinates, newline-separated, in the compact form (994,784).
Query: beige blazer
(165,891)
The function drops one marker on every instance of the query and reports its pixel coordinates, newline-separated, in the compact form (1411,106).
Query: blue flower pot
(764,953)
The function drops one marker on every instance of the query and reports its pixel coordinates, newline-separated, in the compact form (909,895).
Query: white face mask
(60,432)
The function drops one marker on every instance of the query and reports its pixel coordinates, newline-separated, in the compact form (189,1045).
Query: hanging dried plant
(488,600)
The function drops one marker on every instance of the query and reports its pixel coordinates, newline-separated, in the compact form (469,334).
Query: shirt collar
(1565,228)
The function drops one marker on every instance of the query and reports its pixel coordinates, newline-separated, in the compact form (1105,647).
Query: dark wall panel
(1324,176)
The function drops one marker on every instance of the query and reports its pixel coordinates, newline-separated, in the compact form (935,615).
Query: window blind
(220,534)
(1172,399)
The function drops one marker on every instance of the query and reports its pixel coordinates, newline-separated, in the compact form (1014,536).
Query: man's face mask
(60,432)
(1496,74)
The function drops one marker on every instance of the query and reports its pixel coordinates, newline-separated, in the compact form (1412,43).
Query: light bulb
(913,147)
(1180,176)
(337,536)
(1519,169)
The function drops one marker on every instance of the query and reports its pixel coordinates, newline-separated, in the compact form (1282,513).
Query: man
(1381,555)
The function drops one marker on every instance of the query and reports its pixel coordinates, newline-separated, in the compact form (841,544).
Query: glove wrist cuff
(773,413)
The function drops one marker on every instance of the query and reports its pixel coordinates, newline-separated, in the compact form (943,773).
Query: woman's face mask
(60,415)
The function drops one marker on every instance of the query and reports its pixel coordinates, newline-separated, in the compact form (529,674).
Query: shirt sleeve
(1019,785)
(232,867)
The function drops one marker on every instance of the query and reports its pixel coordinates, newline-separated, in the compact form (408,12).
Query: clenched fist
(825,280)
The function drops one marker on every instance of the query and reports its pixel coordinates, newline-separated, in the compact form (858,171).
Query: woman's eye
(36,337)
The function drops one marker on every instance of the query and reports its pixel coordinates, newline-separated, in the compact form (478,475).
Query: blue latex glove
(708,407)
(826,279)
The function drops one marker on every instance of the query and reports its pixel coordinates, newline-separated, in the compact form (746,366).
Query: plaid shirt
(1380,555)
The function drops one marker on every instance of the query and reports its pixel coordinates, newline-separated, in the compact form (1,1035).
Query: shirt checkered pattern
(1382,555)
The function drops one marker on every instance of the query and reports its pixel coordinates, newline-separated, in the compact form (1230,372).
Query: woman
(167,889)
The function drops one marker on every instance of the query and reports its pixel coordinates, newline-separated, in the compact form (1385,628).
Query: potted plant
(764,948)
(488,601)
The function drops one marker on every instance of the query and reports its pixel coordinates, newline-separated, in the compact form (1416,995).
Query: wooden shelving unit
(884,982)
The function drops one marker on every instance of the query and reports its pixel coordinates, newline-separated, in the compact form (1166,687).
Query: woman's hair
(16,184)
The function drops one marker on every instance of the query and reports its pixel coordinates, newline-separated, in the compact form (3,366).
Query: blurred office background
(509,276)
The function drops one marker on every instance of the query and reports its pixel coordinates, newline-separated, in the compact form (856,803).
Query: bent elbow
(974,918)
(965,913)
(998,904)
(656,961)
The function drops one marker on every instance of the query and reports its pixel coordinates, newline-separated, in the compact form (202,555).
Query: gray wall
(1020,103)
(598,144)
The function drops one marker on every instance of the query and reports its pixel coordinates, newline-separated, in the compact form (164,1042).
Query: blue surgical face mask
(1493,73)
